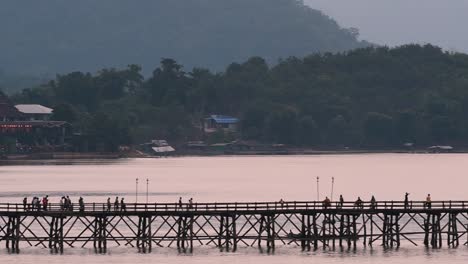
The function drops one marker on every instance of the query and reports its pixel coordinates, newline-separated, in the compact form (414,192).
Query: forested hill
(372,97)
(56,36)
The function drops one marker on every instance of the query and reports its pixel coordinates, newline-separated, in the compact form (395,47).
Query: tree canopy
(369,97)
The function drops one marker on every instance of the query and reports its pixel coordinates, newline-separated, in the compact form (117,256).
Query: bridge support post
(432,231)
(355,231)
(342,230)
(227,235)
(452,235)
(328,230)
(56,234)
(308,233)
(364,228)
(348,230)
(303,232)
(371,229)
(234,233)
(100,234)
(314,232)
(144,236)
(12,234)
(185,233)
(267,225)
(391,231)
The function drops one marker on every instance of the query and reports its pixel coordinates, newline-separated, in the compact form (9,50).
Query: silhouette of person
(108,204)
(62,203)
(123,207)
(69,204)
(38,204)
(358,203)
(45,202)
(25,203)
(341,203)
(428,201)
(81,204)
(281,202)
(373,203)
(116,204)
(406,201)
(326,203)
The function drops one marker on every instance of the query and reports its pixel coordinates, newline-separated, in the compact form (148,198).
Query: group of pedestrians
(188,206)
(119,206)
(359,203)
(66,204)
(36,204)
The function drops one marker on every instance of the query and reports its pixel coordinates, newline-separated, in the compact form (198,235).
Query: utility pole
(147,184)
(333,185)
(318,189)
(136,191)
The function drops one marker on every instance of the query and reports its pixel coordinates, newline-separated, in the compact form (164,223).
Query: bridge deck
(305,224)
(242,207)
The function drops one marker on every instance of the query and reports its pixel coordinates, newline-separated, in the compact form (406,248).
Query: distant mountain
(11,83)
(56,36)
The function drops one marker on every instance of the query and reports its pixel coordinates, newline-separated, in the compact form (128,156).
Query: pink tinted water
(387,176)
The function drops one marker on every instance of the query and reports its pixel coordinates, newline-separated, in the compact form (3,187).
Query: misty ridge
(53,36)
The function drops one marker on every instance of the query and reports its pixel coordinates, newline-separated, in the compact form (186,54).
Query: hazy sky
(395,22)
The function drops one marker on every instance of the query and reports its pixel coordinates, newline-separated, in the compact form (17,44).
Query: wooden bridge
(229,226)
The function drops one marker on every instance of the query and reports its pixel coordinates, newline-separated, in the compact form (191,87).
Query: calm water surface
(387,176)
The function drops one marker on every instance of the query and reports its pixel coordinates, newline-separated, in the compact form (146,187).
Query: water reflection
(223,179)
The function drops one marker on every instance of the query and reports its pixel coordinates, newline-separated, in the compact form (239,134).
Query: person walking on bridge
(35,203)
(358,204)
(108,204)
(65,203)
(373,203)
(45,202)
(69,204)
(428,201)
(326,203)
(341,203)
(190,203)
(25,204)
(116,204)
(180,203)
(81,204)
(123,206)
(38,204)
(406,201)
(62,203)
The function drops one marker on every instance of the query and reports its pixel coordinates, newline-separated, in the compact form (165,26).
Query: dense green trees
(371,97)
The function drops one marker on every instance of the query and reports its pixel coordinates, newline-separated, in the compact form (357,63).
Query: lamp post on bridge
(318,189)
(147,184)
(136,191)
(333,185)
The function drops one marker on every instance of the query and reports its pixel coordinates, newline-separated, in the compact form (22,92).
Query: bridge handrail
(242,206)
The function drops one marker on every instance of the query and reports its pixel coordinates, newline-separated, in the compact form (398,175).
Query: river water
(227,179)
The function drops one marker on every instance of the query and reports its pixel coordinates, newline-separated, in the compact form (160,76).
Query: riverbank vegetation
(365,98)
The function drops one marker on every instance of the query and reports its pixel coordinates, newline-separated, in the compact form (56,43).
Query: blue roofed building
(225,123)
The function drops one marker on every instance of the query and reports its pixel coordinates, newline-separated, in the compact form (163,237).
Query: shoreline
(72,158)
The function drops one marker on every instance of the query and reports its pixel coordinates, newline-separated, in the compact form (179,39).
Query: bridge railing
(233,207)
